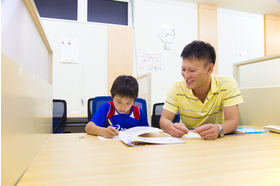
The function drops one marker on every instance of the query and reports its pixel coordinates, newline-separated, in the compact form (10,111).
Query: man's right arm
(174,129)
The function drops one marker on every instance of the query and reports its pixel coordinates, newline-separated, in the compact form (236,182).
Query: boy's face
(123,104)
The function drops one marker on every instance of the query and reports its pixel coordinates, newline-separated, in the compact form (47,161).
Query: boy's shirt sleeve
(143,119)
(99,118)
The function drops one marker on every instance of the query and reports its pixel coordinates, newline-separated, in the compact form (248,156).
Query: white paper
(191,135)
(103,138)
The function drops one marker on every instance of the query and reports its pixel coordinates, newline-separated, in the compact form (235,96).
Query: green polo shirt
(224,92)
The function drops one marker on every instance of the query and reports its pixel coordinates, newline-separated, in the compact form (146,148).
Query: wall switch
(167,47)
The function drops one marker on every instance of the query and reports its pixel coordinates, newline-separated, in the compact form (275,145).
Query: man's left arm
(211,131)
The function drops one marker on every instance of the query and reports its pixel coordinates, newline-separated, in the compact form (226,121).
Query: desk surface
(77,116)
(66,159)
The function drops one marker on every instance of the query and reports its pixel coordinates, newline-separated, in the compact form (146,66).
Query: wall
(88,78)
(236,31)
(21,44)
(208,28)
(272,36)
(26,90)
(120,52)
(149,16)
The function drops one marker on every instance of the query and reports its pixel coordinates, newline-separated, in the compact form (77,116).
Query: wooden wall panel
(271,34)
(26,118)
(120,52)
(208,27)
(26,93)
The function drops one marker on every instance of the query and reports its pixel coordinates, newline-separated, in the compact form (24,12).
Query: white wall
(88,78)
(238,31)
(20,39)
(150,16)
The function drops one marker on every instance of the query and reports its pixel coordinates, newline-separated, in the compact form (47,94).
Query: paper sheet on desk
(191,135)
(103,138)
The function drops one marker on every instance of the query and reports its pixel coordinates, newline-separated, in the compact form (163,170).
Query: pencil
(112,125)
(110,122)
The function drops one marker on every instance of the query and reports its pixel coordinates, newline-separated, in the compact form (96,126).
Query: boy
(119,114)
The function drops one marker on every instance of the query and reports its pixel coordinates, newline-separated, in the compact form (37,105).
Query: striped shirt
(224,92)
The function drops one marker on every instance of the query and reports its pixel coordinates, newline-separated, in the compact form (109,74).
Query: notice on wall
(69,50)
(150,61)
(240,56)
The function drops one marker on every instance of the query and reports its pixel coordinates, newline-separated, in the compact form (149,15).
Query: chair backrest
(99,100)
(59,115)
(89,108)
(157,110)
(141,103)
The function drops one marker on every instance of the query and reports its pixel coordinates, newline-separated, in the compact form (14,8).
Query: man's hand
(110,132)
(174,129)
(208,131)
(178,130)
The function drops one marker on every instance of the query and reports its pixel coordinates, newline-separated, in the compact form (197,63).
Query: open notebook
(131,137)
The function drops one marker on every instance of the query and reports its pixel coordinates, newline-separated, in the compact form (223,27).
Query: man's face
(196,75)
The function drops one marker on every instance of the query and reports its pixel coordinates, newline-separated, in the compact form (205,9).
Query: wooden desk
(66,159)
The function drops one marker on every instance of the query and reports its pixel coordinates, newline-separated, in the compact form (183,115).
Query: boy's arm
(92,128)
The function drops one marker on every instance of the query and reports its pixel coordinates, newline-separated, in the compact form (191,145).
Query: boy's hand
(110,132)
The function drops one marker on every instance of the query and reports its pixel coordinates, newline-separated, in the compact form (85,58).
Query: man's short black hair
(125,86)
(199,50)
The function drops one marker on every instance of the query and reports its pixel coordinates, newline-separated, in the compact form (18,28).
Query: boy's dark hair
(199,50)
(125,86)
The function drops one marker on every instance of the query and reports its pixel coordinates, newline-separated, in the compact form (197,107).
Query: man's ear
(210,68)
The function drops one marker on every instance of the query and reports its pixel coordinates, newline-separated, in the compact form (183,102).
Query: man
(208,103)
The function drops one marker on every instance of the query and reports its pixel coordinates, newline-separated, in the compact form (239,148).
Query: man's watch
(221,130)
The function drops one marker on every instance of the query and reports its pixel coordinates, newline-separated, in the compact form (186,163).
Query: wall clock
(167,34)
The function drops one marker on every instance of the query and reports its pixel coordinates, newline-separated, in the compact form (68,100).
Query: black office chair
(89,108)
(59,115)
(157,109)
(96,102)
